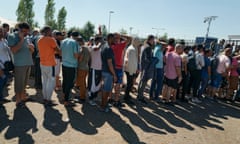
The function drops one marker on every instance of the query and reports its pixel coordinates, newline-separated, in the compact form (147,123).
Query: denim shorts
(107,81)
(216,80)
(119,73)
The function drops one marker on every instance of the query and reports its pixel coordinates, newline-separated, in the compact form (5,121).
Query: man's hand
(179,80)
(21,35)
(114,78)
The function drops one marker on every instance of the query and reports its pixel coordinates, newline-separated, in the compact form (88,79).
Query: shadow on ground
(153,118)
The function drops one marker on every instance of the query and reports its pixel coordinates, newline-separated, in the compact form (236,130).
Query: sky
(178,18)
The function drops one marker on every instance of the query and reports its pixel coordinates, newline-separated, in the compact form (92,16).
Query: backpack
(214,65)
(191,65)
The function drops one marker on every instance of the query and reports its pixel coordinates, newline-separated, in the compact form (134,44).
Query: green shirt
(83,65)
(23,57)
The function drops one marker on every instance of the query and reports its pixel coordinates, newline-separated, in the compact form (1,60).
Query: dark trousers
(38,75)
(184,85)
(68,74)
(196,81)
(3,81)
(157,83)
(130,79)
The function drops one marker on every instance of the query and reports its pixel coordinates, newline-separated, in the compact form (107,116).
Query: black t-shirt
(107,53)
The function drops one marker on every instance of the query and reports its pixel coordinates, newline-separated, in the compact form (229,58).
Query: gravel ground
(211,122)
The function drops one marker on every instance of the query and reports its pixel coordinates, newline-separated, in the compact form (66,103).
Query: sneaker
(142,100)
(21,105)
(196,100)
(49,103)
(157,100)
(68,104)
(129,102)
(106,109)
(92,102)
(118,104)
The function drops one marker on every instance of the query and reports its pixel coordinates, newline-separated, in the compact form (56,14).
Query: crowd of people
(97,67)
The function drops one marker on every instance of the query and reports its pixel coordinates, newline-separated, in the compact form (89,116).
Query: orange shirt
(46,47)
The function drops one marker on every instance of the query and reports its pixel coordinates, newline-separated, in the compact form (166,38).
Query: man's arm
(110,66)
(127,39)
(179,74)
(16,47)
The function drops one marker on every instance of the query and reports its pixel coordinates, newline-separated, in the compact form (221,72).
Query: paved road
(211,122)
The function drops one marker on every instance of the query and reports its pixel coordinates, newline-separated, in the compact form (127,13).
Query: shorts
(233,82)
(216,80)
(119,74)
(107,81)
(173,83)
(21,74)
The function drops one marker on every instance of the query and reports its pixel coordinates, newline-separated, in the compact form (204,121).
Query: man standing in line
(146,65)
(22,50)
(121,42)
(47,47)
(108,71)
(70,54)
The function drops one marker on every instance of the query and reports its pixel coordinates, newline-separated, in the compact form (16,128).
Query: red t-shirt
(118,50)
(170,48)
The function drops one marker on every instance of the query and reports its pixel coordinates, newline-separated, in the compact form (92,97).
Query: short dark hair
(75,34)
(23,25)
(150,37)
(206,51)
(46,29)
(109,36)
(98,38)
(200,46)
(5,25)
(171,41)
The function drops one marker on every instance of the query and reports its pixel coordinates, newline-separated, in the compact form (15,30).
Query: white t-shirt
(224,63)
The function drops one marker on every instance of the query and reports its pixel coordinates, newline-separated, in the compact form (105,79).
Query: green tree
(25,12)
(61,20)
(88,30)
(104,31)
(123,31)
(164,36)
(49,14)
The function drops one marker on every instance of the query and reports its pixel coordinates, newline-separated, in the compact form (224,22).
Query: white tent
(10,22)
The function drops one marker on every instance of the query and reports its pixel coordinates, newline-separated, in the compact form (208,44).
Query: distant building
(10,22)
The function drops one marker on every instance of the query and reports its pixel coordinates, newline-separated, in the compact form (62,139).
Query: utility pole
(209,20)
(109,22)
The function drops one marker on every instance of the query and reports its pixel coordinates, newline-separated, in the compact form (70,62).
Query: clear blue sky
(179,18)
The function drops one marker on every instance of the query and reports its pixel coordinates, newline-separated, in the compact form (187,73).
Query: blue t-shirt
(23,57)
(158,54)
(69,47)
(205,68)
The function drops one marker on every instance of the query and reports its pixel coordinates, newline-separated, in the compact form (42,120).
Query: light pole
(130,32)
(209,20)
(157,30)
(109,22)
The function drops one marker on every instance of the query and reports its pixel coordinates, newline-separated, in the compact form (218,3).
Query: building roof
(10,22)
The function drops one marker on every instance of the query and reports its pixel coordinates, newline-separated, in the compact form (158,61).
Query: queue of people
(96,68)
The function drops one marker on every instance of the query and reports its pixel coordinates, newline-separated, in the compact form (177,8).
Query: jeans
(204,84)
(3,80)
(68,80)
(157,83)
